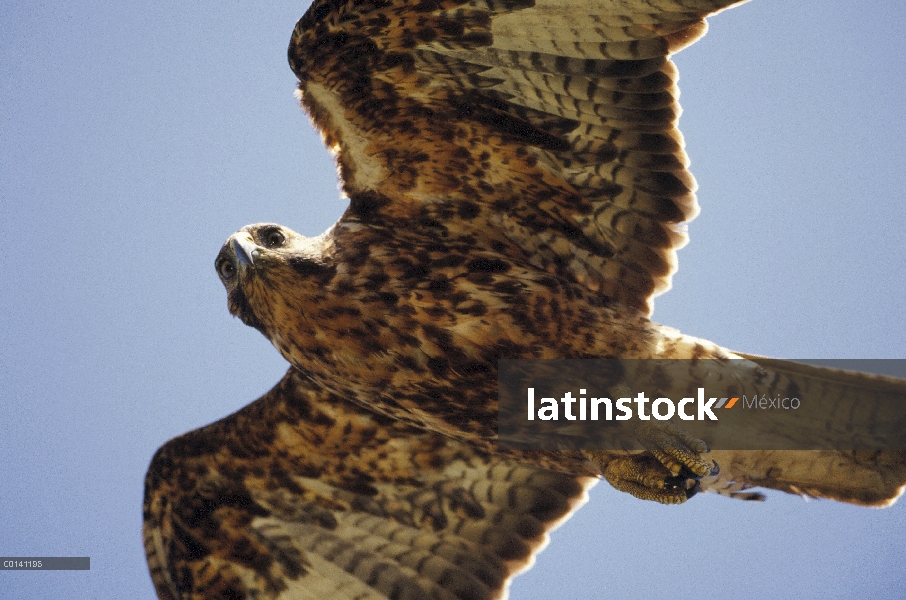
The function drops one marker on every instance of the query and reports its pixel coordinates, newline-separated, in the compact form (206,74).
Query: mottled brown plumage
(303,495)
(518,189)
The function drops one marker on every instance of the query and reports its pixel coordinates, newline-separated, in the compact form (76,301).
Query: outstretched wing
(303,495)
(550,126)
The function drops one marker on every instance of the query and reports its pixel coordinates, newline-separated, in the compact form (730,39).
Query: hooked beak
(245,249)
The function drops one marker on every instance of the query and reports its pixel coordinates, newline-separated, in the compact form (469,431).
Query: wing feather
(557,118)
(303,495)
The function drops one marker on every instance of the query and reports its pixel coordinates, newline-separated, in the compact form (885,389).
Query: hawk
(518,189)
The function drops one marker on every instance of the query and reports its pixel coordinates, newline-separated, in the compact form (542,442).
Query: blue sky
(135,138)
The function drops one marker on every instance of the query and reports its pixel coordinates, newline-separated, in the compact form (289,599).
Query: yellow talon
(668,472)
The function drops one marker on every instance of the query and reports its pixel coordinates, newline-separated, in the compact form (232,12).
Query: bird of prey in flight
(517,189)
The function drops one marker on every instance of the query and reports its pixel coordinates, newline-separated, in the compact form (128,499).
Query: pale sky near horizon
(135,138)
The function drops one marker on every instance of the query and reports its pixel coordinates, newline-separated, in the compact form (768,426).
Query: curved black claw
(675,482)
(696,488)
(680,483)
(687,473)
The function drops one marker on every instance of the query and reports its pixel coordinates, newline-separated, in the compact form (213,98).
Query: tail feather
(865,477)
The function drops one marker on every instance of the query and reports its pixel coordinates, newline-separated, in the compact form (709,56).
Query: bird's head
(267,270)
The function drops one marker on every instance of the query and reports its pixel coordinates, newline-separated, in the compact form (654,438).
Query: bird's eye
(227,269)
(273,238)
